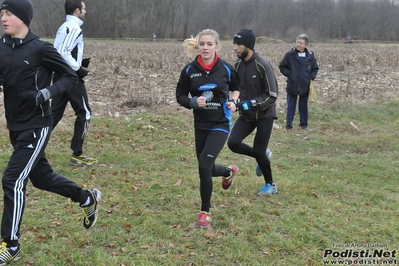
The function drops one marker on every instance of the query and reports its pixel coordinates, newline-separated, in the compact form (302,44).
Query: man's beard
(244,53)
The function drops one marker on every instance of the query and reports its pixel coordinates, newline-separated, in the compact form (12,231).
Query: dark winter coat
(299,72)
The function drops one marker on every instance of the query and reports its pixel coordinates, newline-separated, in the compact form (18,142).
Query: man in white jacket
(69,43)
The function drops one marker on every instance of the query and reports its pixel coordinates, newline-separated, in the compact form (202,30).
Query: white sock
(87,202)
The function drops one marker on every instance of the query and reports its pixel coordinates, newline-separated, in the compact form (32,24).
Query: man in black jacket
(258,95)
(26,66)
(299,66)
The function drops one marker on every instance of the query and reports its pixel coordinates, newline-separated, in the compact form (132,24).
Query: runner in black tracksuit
(258,94)
(26,66)
(212,117)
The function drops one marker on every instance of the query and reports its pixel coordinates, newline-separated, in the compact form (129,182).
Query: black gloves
(36,98)
(86,62)
(81,72)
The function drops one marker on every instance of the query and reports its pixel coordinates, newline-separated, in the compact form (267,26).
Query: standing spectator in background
(26,66)
(299,66)
(154,37)
(69,43)
(204,86)
(257,105)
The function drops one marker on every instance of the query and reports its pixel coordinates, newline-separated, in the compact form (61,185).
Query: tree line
(280,19)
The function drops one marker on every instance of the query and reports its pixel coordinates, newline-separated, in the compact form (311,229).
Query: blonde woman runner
(209,86)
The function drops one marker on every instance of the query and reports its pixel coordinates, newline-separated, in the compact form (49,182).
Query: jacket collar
(307,51)
(74,19)
(254,55)
(14,42)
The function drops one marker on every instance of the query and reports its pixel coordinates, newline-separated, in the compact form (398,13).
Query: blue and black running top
(215,85)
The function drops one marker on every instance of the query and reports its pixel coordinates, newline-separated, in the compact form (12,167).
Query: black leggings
(208,145)
(242,128)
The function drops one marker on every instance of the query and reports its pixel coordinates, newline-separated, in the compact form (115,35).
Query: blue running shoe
(268,190)
(258,171)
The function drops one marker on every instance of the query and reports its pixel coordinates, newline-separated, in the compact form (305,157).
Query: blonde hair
(191,44)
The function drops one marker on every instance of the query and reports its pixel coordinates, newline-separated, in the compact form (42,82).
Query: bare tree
(321,19)
(189,7)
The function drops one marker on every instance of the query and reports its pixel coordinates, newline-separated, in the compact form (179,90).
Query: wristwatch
(253,102)
(233,101)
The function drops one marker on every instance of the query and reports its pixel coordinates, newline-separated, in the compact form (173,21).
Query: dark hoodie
(27,65)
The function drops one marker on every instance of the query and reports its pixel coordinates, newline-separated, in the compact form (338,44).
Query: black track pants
(78,98)
(28,160)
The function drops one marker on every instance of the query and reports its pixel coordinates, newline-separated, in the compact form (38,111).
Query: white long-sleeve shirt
(69,41)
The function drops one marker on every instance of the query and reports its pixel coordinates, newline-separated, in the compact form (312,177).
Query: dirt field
(133,77)
(128,77)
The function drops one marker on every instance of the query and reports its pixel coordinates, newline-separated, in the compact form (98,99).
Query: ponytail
(191,44)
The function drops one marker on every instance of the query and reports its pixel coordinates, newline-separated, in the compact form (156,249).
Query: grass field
(337,181)
(337,186)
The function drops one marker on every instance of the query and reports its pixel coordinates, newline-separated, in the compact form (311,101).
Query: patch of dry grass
(128,77)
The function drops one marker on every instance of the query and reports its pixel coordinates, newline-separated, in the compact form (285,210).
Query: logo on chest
(207,87)
(196,75)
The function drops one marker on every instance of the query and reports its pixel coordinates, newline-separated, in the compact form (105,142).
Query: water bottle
(208,95)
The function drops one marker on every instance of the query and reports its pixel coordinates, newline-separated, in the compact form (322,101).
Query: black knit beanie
(23,9)
(245,37)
